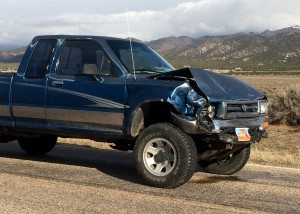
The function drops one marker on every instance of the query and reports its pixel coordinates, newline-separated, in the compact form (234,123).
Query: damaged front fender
(186,100)
(190,104)
(192,125)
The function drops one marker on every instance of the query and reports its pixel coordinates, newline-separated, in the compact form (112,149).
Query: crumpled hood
(218,87)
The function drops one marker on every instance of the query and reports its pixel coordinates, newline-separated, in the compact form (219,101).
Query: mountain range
(12,56)
(268,50)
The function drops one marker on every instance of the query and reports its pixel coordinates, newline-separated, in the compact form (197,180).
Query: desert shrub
(285,107)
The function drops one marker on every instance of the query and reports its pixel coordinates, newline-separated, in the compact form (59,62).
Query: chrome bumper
(190,126)
(257,122)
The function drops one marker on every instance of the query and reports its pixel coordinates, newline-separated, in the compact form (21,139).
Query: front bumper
(257,122)
(190,126)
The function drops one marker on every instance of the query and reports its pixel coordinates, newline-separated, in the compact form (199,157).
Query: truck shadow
(117,164)
(114,163)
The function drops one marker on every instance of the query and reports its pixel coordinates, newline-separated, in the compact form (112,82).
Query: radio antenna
(132,58)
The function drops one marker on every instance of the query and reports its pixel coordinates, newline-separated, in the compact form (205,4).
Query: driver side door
(84,91)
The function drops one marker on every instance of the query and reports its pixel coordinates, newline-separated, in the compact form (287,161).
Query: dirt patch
(85,142)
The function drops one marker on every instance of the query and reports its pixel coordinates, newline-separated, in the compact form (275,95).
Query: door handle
(57,83)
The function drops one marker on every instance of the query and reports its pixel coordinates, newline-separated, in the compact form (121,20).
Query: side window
(40,59)
(84,57)
(70,60)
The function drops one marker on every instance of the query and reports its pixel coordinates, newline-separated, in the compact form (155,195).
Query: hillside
(12,56)
(268,50)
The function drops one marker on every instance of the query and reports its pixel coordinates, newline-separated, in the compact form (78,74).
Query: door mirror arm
(96,78)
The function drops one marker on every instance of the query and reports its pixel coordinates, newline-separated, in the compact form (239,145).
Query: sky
(21,20)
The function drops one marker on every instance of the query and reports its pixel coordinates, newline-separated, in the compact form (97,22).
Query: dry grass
(274,158)
(271,84)
(9,67)
(284,108)
(280,147)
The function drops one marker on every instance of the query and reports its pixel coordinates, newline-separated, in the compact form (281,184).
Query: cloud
(195,19)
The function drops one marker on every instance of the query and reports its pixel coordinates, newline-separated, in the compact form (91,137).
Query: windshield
(146,60)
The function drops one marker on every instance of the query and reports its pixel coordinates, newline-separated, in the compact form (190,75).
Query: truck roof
(80,37)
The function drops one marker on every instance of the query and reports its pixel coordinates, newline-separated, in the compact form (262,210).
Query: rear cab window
(41,58)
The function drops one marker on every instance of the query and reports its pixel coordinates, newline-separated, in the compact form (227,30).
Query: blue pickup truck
(114,90)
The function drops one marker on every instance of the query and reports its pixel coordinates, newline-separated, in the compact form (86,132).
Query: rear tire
(230,165)
(37,146)
(164,156)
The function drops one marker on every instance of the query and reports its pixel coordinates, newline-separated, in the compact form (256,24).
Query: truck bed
(5,79)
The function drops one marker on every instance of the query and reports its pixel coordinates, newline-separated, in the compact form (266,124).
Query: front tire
(230,165)
(164,156)
(37,146)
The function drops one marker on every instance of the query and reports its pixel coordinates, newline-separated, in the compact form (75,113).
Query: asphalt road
(77,179)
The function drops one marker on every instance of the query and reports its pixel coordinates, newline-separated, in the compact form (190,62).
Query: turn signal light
(266,124)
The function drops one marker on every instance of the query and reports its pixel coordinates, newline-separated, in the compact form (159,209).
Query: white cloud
(201,18)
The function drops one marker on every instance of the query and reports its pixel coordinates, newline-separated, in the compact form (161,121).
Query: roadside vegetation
(280,147)
(285,107)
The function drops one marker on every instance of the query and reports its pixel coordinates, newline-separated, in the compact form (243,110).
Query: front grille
(228,110)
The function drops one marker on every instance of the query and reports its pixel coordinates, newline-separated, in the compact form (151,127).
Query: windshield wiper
(147,71)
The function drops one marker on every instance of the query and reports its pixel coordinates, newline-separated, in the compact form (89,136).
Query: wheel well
(150,113)
(156,112)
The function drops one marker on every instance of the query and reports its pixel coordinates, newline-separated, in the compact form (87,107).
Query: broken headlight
(264,107)
(208,110)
